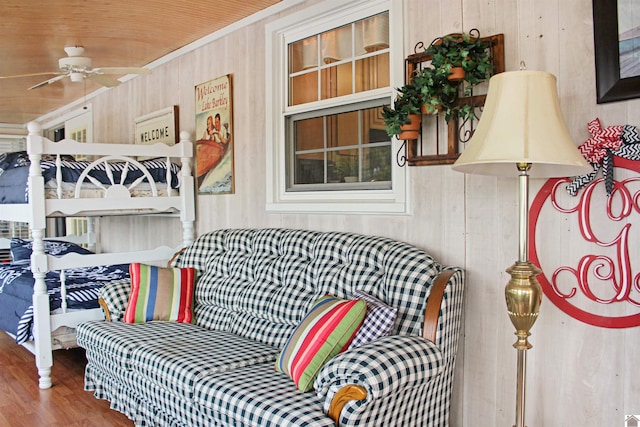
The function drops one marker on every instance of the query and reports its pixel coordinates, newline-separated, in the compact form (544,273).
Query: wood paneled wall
(578,374)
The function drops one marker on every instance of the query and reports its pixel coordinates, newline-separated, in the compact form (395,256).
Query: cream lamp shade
(522,123)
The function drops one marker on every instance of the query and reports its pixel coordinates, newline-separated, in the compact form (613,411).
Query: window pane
(372,72)
(373,127)
(376,164)
(309,134)
(303,88)
(342,129)
(375,34)
(336,81)
(354,144)
(309,168)
(303,55)
(346,165)
(340,46)
(336,45)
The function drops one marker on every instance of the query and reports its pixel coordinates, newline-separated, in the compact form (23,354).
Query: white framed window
(76,125)
(330,69)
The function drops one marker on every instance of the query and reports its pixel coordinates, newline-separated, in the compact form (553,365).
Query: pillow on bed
(159,293)
(13,160)
(325,331)
(21,249)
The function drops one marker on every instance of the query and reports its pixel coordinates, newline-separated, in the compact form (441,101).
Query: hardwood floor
(22,403)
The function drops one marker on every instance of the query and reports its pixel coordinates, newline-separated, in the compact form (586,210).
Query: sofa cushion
(377,323)
(325,331)
(176,363)
(113,342)
(160,294)
(257,396)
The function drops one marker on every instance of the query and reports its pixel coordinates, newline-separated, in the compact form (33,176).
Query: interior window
(331,139)
(336,147)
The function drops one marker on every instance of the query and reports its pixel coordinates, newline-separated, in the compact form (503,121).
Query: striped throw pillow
(160,294)
(325,331)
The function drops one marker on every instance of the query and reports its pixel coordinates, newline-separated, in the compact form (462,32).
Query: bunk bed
(106,184)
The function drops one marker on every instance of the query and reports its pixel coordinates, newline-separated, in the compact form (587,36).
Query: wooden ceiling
(115,33)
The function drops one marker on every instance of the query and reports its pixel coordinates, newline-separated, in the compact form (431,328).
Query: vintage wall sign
(157,127)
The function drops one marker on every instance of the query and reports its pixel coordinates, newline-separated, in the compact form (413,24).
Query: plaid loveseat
(254,287)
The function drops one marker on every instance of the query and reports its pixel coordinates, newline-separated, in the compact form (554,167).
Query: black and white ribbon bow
(622,141)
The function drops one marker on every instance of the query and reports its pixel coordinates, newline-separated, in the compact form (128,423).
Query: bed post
(187,190)
(91,234)
(42,326)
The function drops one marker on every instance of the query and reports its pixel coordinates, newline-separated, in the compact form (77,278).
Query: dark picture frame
(609,86)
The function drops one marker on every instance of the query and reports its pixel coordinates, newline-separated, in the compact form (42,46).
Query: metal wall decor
(427,152)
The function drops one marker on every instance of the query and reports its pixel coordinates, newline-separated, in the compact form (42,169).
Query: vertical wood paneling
(578,374)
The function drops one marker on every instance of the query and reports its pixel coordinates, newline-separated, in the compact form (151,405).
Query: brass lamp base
(523,295)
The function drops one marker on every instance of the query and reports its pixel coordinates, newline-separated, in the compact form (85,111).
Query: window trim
(313,20)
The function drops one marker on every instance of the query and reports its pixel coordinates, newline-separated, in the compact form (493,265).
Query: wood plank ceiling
(115,33)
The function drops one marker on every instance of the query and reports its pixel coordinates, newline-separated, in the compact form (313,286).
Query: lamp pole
(523,293)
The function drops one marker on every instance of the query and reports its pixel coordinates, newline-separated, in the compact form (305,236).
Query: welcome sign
(157,127)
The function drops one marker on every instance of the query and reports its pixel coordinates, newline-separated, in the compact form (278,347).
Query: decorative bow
(621,141)
(595,148)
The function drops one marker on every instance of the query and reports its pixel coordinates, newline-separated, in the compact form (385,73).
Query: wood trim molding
(432,312)
(107,313)
(175,255)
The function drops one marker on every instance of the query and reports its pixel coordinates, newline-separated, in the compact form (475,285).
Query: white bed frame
(116,200)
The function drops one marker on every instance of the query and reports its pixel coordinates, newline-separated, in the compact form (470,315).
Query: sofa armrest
(379,369)
(113,297)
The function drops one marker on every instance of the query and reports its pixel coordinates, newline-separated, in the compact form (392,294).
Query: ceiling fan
(78,68)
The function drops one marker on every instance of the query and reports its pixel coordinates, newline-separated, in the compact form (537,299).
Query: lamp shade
(522,123)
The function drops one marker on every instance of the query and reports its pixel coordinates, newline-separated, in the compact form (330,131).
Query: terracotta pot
(431,109)
(411,130)
(457,74)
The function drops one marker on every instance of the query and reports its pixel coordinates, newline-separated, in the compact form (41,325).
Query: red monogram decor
(597,279)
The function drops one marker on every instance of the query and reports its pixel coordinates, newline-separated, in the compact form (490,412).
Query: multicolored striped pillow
(160,294)
(325,331)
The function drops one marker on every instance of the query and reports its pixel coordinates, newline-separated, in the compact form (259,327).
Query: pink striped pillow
(160,294)
(325,331)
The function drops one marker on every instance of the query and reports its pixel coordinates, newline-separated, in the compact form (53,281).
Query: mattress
(16,293)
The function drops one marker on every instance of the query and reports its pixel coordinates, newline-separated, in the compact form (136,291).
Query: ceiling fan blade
(121,70)
(48,82)
(104,80)
(30,75)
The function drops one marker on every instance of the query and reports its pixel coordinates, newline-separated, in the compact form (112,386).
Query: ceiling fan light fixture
(77,77)
(74,50)
(75,63)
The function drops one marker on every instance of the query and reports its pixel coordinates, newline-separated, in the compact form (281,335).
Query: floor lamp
(522,133)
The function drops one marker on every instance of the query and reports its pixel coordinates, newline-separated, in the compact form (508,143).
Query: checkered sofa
(254,287)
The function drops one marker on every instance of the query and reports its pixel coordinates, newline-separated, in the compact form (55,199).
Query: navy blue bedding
(16,292)
(14,171)
(13,185)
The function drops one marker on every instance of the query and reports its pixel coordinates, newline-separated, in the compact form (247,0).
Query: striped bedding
(16,292)
(14,171)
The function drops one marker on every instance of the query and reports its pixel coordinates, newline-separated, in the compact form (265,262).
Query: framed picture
(617,50)
(159,126)
(214,137)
